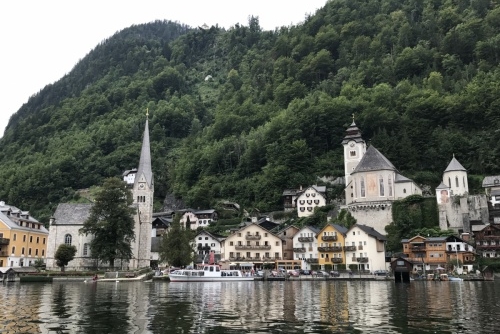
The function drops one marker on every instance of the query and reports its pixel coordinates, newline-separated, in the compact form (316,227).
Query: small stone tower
(143,191)
(455,177)
(354,149)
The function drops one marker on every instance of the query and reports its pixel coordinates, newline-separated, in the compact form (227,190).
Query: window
(381,182)
(277,243)
(231,254)
(36,252)
(85,249)
(31,238)
(364,242)
(239,234)
(37,240)
(352,153)
(68,239)
(212,245)
(29,251)
(362,186)
(43,252)
(231,243)
(206,238)
(390,186)
(276,255)
(14,249)
(43,242)
(456,180)
(265,234)
(199,238)
(353,232)
(22,251)
(24,238)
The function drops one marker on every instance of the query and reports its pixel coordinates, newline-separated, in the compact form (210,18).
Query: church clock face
(141,186)
(352,144)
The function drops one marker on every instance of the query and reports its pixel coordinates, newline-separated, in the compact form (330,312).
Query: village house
(305,246)
(23,239)
(488,241)
(331,240)
(198,218)
(304,200)
(365,248)
(251,246)
(205,243)
(286,235)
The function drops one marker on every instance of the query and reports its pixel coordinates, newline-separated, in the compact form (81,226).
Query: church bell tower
(354,149)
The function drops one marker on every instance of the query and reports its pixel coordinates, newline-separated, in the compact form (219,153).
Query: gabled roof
(373,160)
(72,213)
(12,221)
(454,165)
(442,186)
(491,181)
(370,231)
(401,179)
(210,234)
(313,229)
(337,227)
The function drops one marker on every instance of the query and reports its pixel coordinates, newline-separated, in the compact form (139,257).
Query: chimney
(465,236)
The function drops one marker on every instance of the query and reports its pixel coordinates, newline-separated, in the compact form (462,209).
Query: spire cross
(353,117)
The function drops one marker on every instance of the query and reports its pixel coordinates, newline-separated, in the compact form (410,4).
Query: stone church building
(68,219)
(372,183)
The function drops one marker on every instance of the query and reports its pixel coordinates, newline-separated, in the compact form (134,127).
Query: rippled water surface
(251,307)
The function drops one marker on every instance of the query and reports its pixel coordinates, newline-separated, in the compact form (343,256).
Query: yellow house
(331,240)
(23,239)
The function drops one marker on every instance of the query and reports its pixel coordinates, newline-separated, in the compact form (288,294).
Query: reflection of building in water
(334,305)
(289,304)
(368,303)
(19,311)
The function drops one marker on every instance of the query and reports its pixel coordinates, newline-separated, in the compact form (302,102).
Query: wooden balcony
(329,238)
(4,241)
(312,260)
(349,248)
(337,260)
(243,247)
(418,248)
(306,239)
(362,259)
(253,236)
(299,250)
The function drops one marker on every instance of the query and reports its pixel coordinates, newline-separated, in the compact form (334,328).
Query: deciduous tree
(64,254)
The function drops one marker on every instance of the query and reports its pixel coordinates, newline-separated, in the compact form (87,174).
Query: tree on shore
(111,222)
(176,248)
(64,254)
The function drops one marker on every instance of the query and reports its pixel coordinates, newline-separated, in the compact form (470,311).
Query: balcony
(418,248)
(268,258)
(329,238)
(299,250)
(242,247)
(360,247)
(4,253)
(4,241)
(349,248)
(337,260)
(314,260)
(253,236)
(330,249)
(362,259)
(306,239)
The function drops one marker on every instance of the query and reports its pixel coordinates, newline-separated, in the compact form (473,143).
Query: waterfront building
(365,248)
(305,246)
(286,235)
(488,241)
(23,239)
(251,246)
(205,243)
(69,218)
(331,239)
(309,199)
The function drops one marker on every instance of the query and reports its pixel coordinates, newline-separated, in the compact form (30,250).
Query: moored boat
(209,273)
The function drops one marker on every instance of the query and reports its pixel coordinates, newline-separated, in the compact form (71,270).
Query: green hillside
(421,77)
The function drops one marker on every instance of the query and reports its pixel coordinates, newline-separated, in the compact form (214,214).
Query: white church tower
(143,191)
(354,150)
(455,177)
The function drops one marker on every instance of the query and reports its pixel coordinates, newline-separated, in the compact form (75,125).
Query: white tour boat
(209,273)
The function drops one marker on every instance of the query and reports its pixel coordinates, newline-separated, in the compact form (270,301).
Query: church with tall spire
(68,219)
(143,191)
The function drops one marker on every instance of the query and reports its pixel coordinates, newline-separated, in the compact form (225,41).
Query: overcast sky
(42,40)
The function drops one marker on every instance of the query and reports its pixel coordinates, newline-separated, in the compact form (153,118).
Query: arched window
(390,186)
(449,182)
(362,186)
(456,181)
(68,239)
(381,185)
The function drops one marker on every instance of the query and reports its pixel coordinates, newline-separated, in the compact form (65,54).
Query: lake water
(251,307)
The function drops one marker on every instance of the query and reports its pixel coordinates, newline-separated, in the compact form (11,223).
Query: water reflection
(250,307)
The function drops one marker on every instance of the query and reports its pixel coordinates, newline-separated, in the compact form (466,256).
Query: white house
(312,197)
(205,243)
(198,218)
(370,248)
(251,246)
(305,246)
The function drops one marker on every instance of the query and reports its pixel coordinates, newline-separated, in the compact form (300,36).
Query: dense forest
(241,114)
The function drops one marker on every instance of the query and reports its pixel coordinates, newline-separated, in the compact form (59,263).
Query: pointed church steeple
(145,160)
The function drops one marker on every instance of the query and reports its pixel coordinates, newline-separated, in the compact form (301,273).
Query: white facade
(194,219)
(309,200)
(455,177)
(252,244)
(305,246)
(354,150)
(204,243)
(370,249)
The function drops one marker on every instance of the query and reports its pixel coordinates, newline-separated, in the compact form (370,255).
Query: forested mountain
(243,113)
